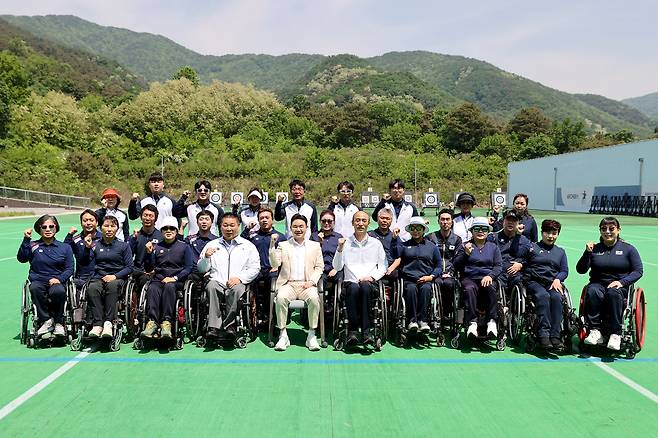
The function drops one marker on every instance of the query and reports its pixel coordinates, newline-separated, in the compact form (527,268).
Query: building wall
(567,182)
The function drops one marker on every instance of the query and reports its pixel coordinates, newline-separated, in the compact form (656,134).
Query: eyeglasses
(47,227)
(480,229)
(165,229)
(202,190)
(327,221)
(345,192)
(608,229)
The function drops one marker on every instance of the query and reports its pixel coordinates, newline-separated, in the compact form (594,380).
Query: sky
(579,46)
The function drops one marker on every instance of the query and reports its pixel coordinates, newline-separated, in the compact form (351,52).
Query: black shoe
(545,343)
(352,339)
(368,339)
(212,333)
(230,330)
(557,343)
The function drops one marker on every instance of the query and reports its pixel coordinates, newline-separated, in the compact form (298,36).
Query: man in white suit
(301,268)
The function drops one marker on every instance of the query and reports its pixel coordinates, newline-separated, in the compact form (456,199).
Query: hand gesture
(321,235)
(386,196)
(491,220)
(210,251)
(341,244)
(109,278)
(280,198)
(557,285)
(396,232)
(168,280)
(183,223)
(135,196)
(486,281)
(496,208)
(73,230)
(519,228)
(149,247)
(334,199)
(273,240)
(104,202)
(514,268)
(53,281)
(233,281)
(251,225)
(332,273)
(425,279)
(615,285)
(468,248)
(27,233)
(186,194)
(135,234)
(589,246)
(88,240)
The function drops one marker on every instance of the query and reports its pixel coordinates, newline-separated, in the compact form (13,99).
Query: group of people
(225,251)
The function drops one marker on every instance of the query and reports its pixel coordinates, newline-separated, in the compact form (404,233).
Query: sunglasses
(417,228)
(607,229)
(165,229)
(345,192)
(327,221)
(480,229)
(47,227)
(202,190)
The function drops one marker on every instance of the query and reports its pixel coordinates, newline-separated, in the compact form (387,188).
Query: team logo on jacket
(619,252)
(451,247)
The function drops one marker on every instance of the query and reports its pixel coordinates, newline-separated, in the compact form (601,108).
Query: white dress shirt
(297,268)
(361,259)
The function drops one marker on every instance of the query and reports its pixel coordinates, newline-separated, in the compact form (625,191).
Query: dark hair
(110,218)
(205,213)
(396,182)
(90,212)
(202,182)
(609,220)
(230,216)
(449,211)
(265,210)
(525,212)
(347,184)
(297,182)
(329,212)
(300,217)
(152,208)
(550,225)
(44,218)
(156,176)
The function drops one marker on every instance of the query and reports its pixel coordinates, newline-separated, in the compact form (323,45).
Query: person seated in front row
(204,220)
(449,244)
(301,267)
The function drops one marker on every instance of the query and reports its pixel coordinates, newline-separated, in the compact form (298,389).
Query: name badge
(619,252)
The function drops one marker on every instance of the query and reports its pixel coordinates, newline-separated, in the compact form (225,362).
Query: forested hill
(53,66)
(648,104)
(426,78)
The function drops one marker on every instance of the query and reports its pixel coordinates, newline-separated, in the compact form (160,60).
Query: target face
(365,200)
(431,199)
(284,194)
(266,198)
(409,198)
(374,199)
(499,198)
(216,197)
(236,198)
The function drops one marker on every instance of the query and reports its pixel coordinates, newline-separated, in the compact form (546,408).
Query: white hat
(169,221)
(417,220)
(255,193)
(480,222)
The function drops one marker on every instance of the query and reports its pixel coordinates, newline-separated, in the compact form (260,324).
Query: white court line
(18,401)
(7,258)
(626,381)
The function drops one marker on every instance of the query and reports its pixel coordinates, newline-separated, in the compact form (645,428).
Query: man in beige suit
(301,268)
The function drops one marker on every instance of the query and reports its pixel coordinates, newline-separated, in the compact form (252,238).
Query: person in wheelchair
(301,267)
(328,239)
(148,233)
(480,264)
(83,269)
(204,220)
(113,264)
(364,262)
(514,248)
(420,266)
(613,266)
(171,263)
(51,266)
(232,262)
(544,277)
(449,245)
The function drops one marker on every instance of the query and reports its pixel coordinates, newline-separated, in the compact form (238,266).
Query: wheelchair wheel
(339,345)
(115,344)
(500,345)
(516,315)
(378,344)
(26,307)
(138,344)
(179,343)
(582,332)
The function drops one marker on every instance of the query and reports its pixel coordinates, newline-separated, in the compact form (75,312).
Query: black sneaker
(352,339)
(368,339)
(545,343)
(212,333)
(557,343)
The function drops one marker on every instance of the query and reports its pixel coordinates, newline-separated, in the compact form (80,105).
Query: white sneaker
(614,343)
(59,330)
(312,342)
(95,332)
(107,330)
(46,327)
(472,330)
(594,338)
(412,327)
(492,329)
(424,327)
(282,344)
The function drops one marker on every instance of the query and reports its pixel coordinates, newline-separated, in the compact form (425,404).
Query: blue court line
(291,361)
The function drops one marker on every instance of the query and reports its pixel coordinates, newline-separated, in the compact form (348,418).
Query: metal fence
(44,198)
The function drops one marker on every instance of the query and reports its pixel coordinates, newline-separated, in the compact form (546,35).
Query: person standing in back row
(163,202)
(298,205)
(402,210)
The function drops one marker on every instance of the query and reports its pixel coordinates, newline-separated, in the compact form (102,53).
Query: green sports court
(412,391)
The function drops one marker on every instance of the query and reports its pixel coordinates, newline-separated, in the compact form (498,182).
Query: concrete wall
(567,182)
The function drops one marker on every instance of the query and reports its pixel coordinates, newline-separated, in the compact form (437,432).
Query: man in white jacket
(232,262)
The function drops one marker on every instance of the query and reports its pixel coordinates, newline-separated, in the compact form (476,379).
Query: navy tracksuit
(261,240)
(84,267)
(167,260)
(197,243)
(114,258)
(46,262)
(482,262)
(419,259)
(604,306)
(138,248)
(448,248)
(512,249)
(391,249)
(530,230)
(545,263)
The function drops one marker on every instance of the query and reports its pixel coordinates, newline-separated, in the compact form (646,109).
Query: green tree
(188,73)
(567,135)
(400,135)
(465,127)
(506,146)
(537,146)
(14,77)
(528,122)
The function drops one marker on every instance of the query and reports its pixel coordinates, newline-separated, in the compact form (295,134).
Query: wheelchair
(141,319)
(82,318)
(299,305)
(523,319)
(378,317)
(193,293)
(633,325)
(502,321)
(246,320)
(399,330)
(29,326)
